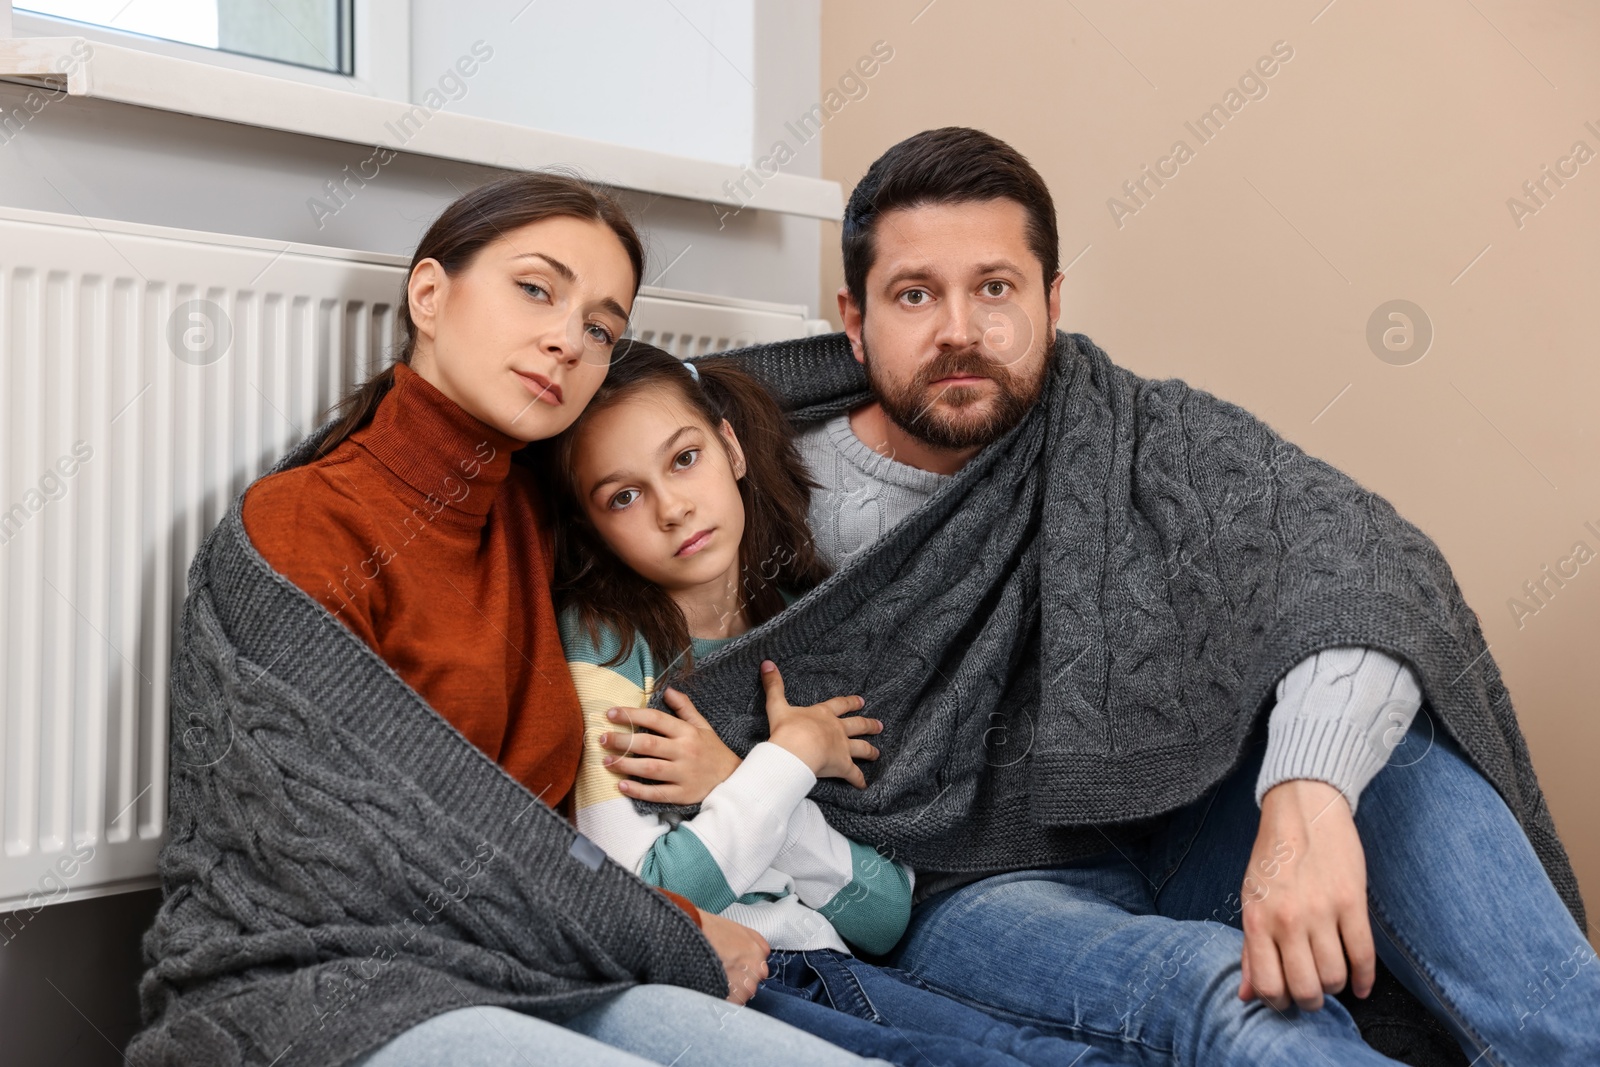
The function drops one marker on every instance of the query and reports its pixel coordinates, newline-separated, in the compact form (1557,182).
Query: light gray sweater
(1339,712)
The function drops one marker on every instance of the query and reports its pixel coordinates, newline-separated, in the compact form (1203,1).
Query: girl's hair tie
(694,372)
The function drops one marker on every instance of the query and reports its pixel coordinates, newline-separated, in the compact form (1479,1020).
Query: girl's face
(522,337)
(662,490)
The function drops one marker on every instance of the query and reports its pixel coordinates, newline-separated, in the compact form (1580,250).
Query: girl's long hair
(776,550)
(472,221)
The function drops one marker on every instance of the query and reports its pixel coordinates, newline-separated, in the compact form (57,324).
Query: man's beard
(911,407)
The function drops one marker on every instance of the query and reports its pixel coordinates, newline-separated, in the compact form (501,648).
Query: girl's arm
(864,893)
(715,857)
(720,855)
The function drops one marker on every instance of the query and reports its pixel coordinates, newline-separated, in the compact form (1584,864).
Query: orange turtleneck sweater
(419,534)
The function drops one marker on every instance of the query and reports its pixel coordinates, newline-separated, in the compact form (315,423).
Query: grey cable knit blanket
(1077,632)
(343,864)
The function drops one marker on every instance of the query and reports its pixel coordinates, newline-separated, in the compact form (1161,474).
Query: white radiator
(147,375)
(693,324)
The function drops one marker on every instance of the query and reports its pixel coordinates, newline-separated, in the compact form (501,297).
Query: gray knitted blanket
(344,864)
(1077,633)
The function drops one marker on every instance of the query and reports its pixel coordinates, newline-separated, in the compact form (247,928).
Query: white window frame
(381,48)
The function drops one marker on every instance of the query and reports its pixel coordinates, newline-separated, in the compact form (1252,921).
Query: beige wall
(1377,166)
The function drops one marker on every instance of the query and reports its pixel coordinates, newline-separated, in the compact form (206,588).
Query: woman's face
(522,337)
(662,490)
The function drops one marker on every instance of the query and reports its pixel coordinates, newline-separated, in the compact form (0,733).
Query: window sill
(164,83)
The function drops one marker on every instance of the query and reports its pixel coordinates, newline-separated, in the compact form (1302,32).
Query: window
(317,34)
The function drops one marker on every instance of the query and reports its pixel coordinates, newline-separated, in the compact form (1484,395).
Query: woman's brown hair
(776,551)
(472,221)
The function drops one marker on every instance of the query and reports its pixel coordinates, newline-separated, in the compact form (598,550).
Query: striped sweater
(757,852)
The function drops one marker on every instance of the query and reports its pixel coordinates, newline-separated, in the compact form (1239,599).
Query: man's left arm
(1339,715)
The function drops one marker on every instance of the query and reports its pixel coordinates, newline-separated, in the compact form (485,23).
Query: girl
(682,525)
(415,529)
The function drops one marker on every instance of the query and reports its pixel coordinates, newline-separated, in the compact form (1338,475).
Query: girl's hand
(743,953)
(683,753)
(819,734)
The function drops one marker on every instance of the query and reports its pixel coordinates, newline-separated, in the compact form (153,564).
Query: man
(1211,933)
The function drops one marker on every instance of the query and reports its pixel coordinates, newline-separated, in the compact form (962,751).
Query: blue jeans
(1137,950)
(877,1011)
(649,1024)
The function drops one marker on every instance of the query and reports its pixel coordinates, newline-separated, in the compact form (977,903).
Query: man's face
(959,323)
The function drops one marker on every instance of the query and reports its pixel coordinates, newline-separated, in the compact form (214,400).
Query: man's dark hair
(951,165)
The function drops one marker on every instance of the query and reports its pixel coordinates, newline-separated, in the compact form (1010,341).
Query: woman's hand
(820,734)
(683,753)
(743,953)
(1305,900)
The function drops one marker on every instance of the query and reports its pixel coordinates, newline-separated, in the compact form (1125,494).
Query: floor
(69,977)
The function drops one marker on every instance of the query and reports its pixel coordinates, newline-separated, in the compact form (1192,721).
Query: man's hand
(683,753)
(743,953)
(825,736)
(1305,900)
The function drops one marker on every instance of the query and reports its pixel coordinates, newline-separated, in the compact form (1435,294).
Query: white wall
(711,79)
(675,77)
(788,58)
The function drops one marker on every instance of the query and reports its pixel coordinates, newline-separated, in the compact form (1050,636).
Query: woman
(324,895)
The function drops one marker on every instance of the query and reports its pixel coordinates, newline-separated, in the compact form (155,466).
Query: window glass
(307,33)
